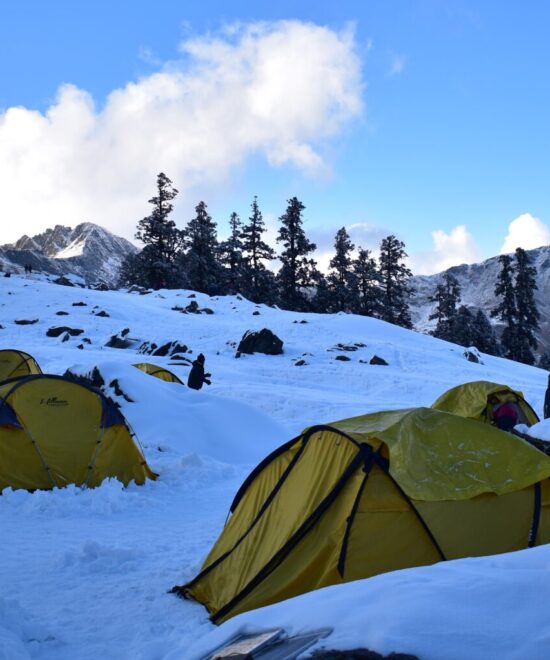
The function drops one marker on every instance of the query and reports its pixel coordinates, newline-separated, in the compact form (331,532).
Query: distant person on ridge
(197,376)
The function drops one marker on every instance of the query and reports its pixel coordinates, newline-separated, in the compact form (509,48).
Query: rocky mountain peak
(88,250)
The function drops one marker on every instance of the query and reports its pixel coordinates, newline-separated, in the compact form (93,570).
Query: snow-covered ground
(85,573)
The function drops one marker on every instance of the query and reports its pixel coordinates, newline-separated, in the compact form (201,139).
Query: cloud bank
(276,89)
(457,247)
(526,232)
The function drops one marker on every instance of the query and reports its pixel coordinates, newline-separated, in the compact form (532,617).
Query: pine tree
(394,278)
(322,300)
(156,229)
(483,335)
(461,327)
(297,273)
(255,252)
(544,362)
(447,296)
(367,281)
(156,265)
(231,255)
(342,278)
(527,315)
(506,310)
(201,266)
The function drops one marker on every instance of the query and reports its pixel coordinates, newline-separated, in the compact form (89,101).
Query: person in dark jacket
(547,400)
(197,376)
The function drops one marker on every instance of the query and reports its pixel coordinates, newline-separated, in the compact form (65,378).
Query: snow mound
(170,419)
(470,608)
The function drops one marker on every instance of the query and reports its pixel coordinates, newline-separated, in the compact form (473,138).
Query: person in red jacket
(197,376)
(506,416)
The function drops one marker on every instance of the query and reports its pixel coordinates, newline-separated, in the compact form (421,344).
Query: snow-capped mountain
(477,283)
(88,250)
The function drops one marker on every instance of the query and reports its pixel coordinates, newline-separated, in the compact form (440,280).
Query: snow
(85,573)
(74,249)
(481,608)
(540,430)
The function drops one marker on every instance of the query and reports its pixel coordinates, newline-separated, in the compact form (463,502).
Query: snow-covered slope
(85,573)
(88,251)
(477,283)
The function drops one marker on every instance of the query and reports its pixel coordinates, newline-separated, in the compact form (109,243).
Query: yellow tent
(55,432)
(14,364)
(373,494)
(158,372)
(478,400)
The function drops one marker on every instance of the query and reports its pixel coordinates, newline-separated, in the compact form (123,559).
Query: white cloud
(526,232)
(277,89)
(362,234)
(457,247)
(397,64)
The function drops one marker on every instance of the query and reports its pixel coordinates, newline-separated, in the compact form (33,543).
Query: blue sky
(441,126)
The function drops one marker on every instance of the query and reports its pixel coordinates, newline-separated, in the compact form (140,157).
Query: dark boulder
(103,314)
(170,348)
(263,341)
(360,654)
(80,304)
(121,340)
(62,329)
(342,358)
(63,281)
(62,313)
(25,321)
(472,357)
(92,378)
(378,360)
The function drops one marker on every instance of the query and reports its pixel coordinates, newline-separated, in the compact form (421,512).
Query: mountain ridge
(88,251)
(477,283)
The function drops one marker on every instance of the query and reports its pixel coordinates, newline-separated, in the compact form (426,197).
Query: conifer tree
(544,362)
(342,278)
(506,310)
(258,286)
(297,273)
(394,278)
(447,296)
(367,280)
(156,265)
(527,315)
(322,300)
(231,255)
(201,266)
(461,327)
(483,335)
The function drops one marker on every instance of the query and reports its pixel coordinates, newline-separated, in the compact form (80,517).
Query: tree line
(516,310)
(194,258)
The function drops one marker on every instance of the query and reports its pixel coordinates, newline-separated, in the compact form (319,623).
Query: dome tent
(55,432)
(14,363)
(373,494)
(158,372)
(480,399)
